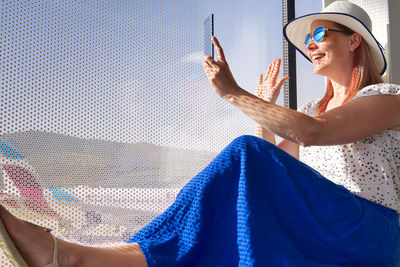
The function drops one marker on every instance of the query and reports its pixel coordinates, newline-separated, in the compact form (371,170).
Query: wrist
(233,94)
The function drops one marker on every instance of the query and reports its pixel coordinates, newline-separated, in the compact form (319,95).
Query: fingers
(218,48)
(268,71)
(209,60)
(210,63)
(210,69)
(260,79)
(275,68)
(282,80)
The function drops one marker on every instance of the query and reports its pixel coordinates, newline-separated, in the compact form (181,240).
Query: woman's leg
(36,247)
(255,205)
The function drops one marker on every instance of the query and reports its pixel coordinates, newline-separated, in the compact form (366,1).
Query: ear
(355,41)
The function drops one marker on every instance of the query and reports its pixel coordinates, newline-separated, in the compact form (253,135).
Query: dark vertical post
(289,58)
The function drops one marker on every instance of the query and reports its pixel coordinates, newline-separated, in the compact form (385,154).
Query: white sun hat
(342,12)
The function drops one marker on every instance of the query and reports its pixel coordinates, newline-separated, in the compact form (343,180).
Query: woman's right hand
(268,88)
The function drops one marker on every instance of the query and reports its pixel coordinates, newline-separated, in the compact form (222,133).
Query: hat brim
(296,30)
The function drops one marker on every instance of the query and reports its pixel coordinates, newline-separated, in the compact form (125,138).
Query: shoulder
(309,108)
(379,89)
(386,107)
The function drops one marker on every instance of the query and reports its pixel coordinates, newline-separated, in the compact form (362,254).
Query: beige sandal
(12,253)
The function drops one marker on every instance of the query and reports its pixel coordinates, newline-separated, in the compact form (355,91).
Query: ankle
(121,256)
(71,254)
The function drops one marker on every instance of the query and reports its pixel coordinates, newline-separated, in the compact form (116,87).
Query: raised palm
(268,88)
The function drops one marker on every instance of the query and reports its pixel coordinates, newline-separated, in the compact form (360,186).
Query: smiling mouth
(317,57)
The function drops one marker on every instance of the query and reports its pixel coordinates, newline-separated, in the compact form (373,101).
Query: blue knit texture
(255,205)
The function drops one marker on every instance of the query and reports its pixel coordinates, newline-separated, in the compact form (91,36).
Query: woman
(256,205)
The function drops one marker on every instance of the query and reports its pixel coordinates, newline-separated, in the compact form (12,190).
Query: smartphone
(208,32)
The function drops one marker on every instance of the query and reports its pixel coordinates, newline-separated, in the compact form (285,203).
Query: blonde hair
(364,73)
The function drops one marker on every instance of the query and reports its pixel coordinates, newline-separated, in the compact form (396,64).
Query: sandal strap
(54,263)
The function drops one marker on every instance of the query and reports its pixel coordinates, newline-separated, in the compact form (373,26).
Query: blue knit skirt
(256,205)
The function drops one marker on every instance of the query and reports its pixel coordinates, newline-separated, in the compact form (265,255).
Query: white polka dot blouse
(369,168)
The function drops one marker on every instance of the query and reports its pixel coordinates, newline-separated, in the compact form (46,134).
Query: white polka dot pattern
(370,167)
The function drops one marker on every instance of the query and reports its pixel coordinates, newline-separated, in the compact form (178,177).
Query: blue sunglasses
(319,34)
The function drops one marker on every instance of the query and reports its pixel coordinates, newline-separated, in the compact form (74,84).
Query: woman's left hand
(219,74)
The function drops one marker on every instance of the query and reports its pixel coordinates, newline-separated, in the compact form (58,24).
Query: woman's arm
(287,123)
(353,121)
(290,147)
(268,89)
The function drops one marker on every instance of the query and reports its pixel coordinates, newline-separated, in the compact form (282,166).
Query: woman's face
(332,56)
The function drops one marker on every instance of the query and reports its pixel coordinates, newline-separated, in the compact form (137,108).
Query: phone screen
(208,32)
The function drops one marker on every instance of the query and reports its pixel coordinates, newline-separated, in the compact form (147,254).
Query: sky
(131,71)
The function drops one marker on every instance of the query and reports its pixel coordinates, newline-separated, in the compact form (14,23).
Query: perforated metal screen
(309,85)
(106,112)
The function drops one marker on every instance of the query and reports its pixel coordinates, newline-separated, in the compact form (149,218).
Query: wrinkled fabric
(256,205)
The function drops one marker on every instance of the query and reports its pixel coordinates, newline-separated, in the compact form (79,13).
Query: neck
(340,91)
(341,84)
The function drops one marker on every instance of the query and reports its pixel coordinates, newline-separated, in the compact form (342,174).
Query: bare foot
(36,246)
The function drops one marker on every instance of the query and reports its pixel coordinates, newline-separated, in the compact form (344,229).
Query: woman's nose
(312,45)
